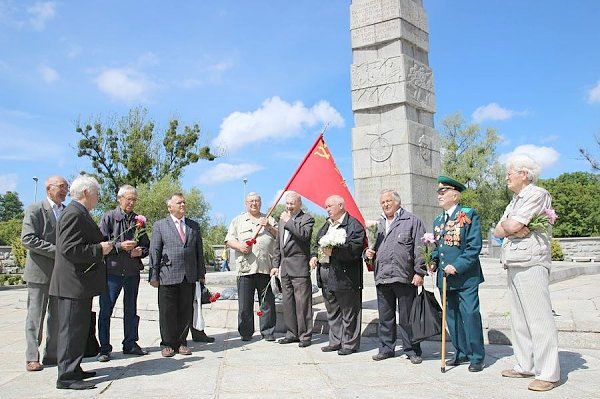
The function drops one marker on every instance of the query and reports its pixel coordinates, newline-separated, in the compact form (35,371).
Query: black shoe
(103,357)
(346,351)
(304,344)
(87,374)
(288,340)
(415,359)
(268,337)
(246,338)
(49,362)
(136,350)
(475,367)
(330,348)
(79,385)
(382,356)
(455,362)
(202,337)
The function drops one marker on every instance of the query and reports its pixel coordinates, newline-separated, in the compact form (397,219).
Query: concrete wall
(572,247)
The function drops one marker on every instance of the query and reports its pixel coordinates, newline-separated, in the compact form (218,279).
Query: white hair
(124,189)
(84,183)
(293,195)
(394,194)
(522,162)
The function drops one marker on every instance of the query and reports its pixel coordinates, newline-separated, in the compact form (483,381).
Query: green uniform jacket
(458,246)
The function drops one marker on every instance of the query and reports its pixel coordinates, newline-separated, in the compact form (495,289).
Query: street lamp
(245,180)
(35,180)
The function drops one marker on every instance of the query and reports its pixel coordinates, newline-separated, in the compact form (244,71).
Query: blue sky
(262,78)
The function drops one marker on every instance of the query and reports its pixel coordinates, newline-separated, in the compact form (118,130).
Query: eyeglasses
(510,173)
(60,186)
(254,201)
(442,191)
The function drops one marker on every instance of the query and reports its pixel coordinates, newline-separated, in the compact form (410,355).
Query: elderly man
(458,235)
(39,238)
(176,263)
(526,257)
(292,253)
(123,266)
(79,275)
(253,259)
(341,276)
(399,271)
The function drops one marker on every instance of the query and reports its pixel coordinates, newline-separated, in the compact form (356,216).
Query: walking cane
(444,324)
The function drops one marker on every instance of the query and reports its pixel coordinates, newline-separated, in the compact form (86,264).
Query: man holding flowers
(127,230)
(458,235)
(253,258)
(398,270)
(526,257)
(340,273)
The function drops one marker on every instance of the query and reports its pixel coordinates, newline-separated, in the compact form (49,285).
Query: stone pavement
(230,368)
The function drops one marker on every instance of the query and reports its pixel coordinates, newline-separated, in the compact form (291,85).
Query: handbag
(425,317)
(92,347)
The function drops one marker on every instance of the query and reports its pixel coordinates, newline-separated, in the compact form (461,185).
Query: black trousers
(390,297)
(247,285)
(73,330)
(175,313)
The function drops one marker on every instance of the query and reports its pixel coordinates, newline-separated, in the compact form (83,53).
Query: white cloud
(275,119)
(594,94)
(225,172)
(493,112)
(8,183)
(546,157)
(124,84)
(40,13)
(208,71)
(48,74)
(549,139)
(19,144)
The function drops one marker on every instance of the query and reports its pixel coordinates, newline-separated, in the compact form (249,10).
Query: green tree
(576,200)
(152,201)
(213,235)
(10,230)
(18,251)
(469,155)
(128,150)
(11,206)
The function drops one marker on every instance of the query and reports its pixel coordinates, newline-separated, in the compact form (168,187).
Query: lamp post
(35,180)
(245,180)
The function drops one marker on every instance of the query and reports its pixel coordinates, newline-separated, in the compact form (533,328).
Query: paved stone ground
(230,368)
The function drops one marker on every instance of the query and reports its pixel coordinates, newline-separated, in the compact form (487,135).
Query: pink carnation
(551,214)
(428,238)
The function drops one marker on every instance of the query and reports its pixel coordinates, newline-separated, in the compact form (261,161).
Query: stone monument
(394,143)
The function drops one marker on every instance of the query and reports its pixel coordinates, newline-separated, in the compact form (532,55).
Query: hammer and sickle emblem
(322,151)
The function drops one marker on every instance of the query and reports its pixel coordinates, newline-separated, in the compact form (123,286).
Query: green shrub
(556,250)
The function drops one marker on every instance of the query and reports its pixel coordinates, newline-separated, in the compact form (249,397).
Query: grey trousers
(535,339)
(297,307)
(344,314)
(40,304)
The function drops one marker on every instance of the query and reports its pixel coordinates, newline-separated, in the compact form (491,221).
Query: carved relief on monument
(380,149)
(420,85)
(414,13)
(375,73)
(368,12)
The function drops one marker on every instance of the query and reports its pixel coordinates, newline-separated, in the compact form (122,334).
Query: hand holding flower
(128,245)
(369,253)
(327,251)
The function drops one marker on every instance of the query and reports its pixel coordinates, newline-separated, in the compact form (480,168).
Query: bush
(19,252)
(556,250)
(11,279)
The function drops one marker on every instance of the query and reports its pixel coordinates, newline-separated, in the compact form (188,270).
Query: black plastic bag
(425,317)
(205,297)
(92,347)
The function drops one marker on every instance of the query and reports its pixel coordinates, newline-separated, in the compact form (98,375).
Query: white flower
(333,238)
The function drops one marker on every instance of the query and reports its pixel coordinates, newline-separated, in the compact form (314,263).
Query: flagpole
(308,154)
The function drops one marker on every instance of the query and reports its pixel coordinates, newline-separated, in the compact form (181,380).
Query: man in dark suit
(79,275)
(341,275)
(292,253)
(458,236)
(39,238)
(176,263)
(399,271)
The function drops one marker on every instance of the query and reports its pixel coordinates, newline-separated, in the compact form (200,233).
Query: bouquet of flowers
(541,222)
(333,238)
(372,233)
(426,249)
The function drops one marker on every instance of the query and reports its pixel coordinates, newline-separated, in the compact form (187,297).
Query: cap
(448,182)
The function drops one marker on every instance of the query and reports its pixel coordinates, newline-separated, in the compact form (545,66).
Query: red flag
(317,178)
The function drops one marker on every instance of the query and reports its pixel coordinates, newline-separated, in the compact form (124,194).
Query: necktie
(58,212)
(447,217)
(180,230)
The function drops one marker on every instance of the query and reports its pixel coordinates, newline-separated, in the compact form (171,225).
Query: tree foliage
(152,201)
(11,206)
(469,156)
(128,150)
(594,163)
(213,235)
(10,230)
(576,200)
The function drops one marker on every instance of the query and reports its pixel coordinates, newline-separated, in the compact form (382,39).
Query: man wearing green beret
(458,238)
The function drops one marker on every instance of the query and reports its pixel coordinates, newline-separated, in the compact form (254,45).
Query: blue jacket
(458,244)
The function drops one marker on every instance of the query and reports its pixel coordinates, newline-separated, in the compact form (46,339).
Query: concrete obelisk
(394,143)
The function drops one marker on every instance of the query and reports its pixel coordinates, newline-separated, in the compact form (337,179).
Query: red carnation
(251,242)
(217,295)
(212,298)
(259,313)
